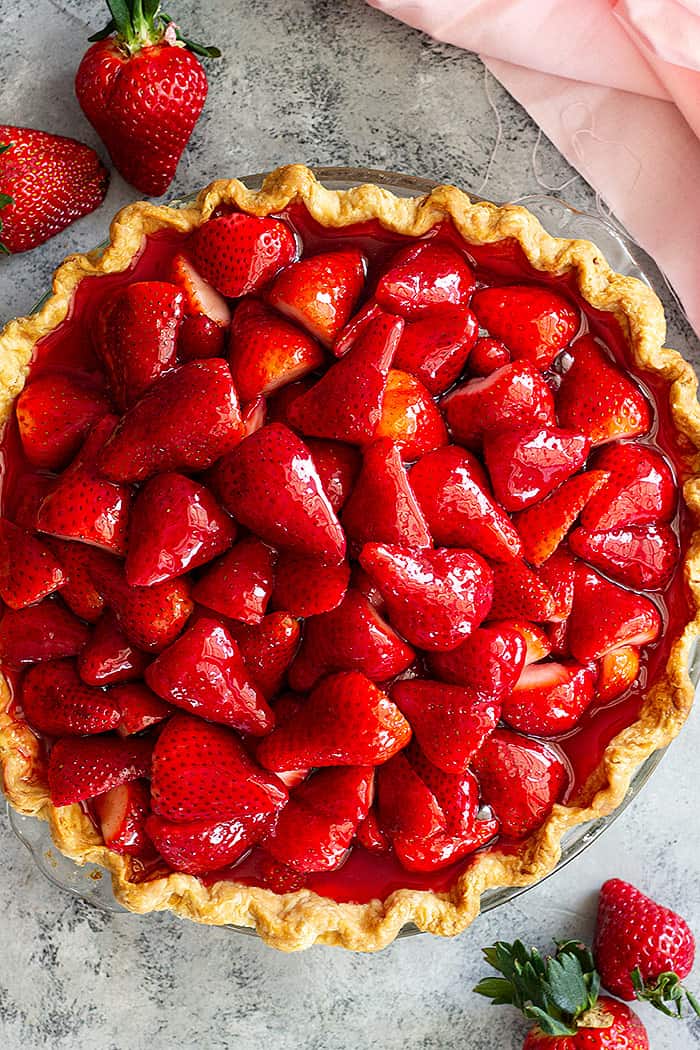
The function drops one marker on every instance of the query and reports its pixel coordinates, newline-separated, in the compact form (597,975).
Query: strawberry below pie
(342,555)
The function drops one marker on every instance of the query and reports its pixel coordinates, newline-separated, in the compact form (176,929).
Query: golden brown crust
(297,920)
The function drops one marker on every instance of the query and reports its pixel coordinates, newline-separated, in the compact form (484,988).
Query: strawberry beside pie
(343,555)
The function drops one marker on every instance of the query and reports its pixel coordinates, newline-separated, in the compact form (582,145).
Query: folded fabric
(616,87)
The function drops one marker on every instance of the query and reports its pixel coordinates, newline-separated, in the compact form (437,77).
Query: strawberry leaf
(4,200)
(665,994)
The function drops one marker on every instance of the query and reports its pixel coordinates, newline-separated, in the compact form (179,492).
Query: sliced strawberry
(281,400)
(25,495)
(520,779)
(537,644)
(346,403)
(370,836)
(176,525)
(139,708)
(199,338)
(338,466)
(352,637)
(453,494)
(550,698)
(526,463)
(606,617)
(151,617)
(268,649)
(434,598)
(136,336)
(488,356)
(640,489)
(307,587)
(317,826)
(410,417)
(515,395)
(239,584)
(253,416)
(55,701)
(559,574)
(28,569)
(40,632)
(199,846)
(596,398)
(270,484)
(457,794)
(83,767)
(520,594)
(267,351)
(202,772)
(450,722)
(200,298)
(238,254)
(348,335)
(382,506)
(558,635)
(435,349)
(422,277)
(185,421)
(279,878)
(79,591)
(321,291)
(346,721)
(122,813)
(55,413)
(535,323)
(618,671)
(489,661)
(203,672)
(544,525)
(109,655)
(83,505)
(640,556)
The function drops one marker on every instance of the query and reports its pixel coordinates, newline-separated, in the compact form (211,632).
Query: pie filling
(374,606)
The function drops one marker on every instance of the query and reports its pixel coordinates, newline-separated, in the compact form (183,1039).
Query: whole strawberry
(642,949)
(46,182)
(560,993)
(142,88)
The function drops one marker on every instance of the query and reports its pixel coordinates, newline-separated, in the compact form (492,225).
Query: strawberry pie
(346,554)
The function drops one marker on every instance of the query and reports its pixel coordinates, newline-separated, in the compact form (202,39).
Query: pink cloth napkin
(615,84)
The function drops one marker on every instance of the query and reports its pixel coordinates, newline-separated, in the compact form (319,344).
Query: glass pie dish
(559,218)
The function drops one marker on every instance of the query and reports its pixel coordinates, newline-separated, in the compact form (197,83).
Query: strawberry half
(239,584)
(434,598)
(175,526)
(136,336)
(605,617)
(270,485)
(544,525)
(450,722)
(268,649)
(320,292)
(639,556)
(306,587)
(410,417)
(316,828)
(238,254)
(267,351)
(139,708)
(514,395)
(640,489)
(382,506)
(199,338)
(549,698)
(78,591)
(109,656)
(202,772)
(435,349)
(558,574)
(338,466)
(28,569)
(55,701)
(618,671)
(82,767)
(122,813)
(199,846)
(46,631)
(82,505)
(535,323)
(597,399)
(422,277)
(520,593)
(452,492)
(520,779)
(200,298)
(345,404)
(527,463)
(488,356)
(186,420)
(55,412)
(489,661)
(203,671)
(346,721)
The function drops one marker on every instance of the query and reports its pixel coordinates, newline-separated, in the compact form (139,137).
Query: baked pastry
(348,554)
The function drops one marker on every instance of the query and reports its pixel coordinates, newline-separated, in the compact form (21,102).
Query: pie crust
(297,920)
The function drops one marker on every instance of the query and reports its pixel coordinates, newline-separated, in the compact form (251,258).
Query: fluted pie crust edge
(297,920)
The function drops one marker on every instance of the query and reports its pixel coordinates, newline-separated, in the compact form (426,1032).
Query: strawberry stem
(141,23)
(666,993)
